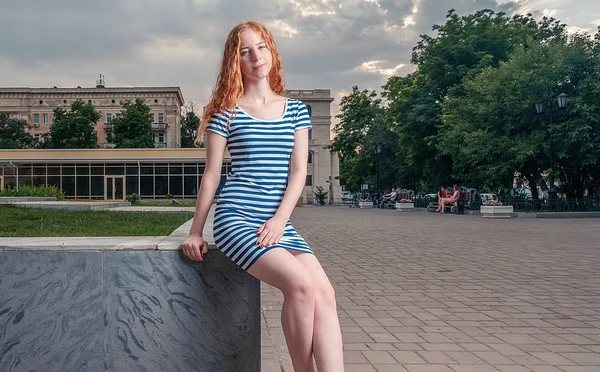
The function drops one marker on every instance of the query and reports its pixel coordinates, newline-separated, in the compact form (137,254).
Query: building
(111,174)
(36,105)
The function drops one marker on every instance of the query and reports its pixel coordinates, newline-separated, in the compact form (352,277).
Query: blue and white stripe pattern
(260,156)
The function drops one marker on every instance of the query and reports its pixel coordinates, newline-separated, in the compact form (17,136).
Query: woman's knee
(325,297)
(301,288)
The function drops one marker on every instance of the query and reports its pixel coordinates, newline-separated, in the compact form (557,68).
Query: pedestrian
(267,136)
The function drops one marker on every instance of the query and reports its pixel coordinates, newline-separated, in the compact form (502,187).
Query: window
(309,133)
(45,118)
(161,138)
(118,115)
(14,116)
(36,137)
(308,180)
(108,117)
(309,110)
(151,117)
(36,118)
(310,157)
(161,117)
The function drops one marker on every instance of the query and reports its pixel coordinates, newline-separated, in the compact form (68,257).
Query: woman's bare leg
(282,270)
(327,339)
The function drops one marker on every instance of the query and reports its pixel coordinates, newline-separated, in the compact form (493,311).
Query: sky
(325,44)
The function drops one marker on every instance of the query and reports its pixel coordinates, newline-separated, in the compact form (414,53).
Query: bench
(404,194)
(457,208)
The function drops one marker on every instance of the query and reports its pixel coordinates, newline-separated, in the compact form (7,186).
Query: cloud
(330,44)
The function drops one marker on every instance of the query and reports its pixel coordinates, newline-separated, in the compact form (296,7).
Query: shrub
(320,195)
(34,191)
(133,198)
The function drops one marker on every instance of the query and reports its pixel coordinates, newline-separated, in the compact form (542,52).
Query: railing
(586,204)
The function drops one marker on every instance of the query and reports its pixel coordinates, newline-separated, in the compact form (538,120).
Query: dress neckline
(285,109)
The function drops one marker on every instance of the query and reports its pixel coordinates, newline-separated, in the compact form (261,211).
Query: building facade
(36,105)
(111,174)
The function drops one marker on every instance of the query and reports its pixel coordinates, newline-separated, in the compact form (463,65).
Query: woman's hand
(195,247)
(270,232)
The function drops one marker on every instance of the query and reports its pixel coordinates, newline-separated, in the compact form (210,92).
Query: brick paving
(421,292)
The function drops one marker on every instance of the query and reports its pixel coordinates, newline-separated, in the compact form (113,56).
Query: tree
(189,126)
(133,129)
(491,128)
(361,129)
(463,47)
(73,129)
(13,133)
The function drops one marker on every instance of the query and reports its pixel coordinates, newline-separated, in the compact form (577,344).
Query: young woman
(266,134)
(441,195)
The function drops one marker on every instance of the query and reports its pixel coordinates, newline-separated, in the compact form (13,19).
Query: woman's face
(255,57)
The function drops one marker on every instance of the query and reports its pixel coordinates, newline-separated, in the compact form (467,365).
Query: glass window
(36,118)
(161,184)
(115,171)
(45,118)
(147,186)
(191,169)
(309,180)
(176,185)
(39,170)
(98,170)
(68,170)
(108,117)
(53,171)
(132,169)
(83,187)
(98,186)
(39,180)
(310,157)
(53,181)
(131,185)
(147,169)
(175,169)
(117,115)
(161,117)
(68,185)
(82,170)
(161,168)
(309,133)
(190,185)
(161,138)
(151,115)
(309,110)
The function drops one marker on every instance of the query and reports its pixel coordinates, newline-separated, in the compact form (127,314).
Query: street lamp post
(540,107)
(377,185)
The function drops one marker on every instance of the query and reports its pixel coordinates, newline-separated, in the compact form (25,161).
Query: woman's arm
(215,147)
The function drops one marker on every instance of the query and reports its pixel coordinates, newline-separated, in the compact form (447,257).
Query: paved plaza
(423,292)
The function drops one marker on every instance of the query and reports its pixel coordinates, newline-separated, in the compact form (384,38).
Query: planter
(496,211)
(366,204)
(405,207)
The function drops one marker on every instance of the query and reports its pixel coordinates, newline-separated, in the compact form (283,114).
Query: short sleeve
(302,118)
(218,124)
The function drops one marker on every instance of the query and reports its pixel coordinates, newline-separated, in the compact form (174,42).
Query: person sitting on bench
(441,195)
(389,197)
(451,200)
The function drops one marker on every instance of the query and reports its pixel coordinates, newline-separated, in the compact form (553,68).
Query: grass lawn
(21,222)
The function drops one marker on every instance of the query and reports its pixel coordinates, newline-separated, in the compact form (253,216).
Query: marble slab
(51,312)
(166,313)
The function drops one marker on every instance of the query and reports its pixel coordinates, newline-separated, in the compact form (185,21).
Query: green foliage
(189,126)
(133,129)
(73,129)
(13,133)
(36,191)
(361,129)
(491,128)
(321,195)
(133,198)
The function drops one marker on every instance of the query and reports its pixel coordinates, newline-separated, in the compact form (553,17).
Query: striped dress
(260,156)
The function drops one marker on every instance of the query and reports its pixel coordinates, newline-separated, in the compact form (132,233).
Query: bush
(168,196)
(320,195)
(133,198)
(34,191)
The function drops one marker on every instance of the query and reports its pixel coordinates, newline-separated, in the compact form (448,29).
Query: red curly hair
(230,85)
